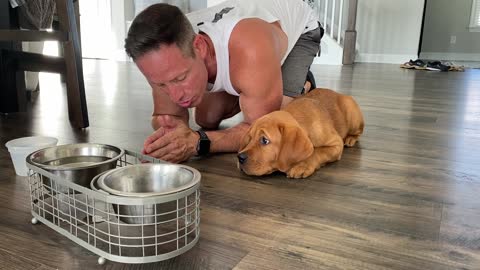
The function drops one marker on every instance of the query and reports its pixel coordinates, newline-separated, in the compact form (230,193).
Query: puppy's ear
(295,147)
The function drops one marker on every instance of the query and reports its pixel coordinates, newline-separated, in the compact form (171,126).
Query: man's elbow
(245,125)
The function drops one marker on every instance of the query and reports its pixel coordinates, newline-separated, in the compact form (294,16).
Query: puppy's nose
(242,158)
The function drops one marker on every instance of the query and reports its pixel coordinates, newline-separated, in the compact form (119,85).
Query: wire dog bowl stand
(167,226)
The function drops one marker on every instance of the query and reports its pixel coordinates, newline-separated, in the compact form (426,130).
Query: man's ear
(200,46)
(295,147)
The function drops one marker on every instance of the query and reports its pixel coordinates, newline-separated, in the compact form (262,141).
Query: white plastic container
(22,147)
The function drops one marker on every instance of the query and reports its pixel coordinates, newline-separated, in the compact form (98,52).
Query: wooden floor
(406,197)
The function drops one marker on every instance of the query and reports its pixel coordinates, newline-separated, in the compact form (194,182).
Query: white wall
(95,26)
(119,29)
(197,4)
(129,9)
(445,19)
(388,31)
(214,2)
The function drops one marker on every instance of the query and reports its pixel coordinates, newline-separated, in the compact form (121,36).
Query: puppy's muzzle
(242,158)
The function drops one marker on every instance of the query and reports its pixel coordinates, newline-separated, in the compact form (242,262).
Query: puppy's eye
(264,140)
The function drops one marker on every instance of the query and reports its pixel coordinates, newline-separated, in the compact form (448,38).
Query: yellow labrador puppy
(308,133)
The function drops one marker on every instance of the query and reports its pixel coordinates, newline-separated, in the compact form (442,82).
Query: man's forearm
(227,140)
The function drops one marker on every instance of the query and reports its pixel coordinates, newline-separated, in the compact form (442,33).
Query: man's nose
(242,158)
(176,93)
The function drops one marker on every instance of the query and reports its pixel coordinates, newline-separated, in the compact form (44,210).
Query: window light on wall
(475,16)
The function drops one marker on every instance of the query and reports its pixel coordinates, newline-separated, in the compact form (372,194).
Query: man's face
(183,79)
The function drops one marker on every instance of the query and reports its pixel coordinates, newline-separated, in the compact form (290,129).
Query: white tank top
(294,16)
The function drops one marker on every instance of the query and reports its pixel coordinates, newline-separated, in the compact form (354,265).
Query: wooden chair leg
(13,97)
(21,90)
(77,104)
(56,26)
(12,83)
(76,5)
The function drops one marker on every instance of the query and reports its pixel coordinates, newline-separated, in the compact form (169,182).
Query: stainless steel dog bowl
(78,163)
(143,180)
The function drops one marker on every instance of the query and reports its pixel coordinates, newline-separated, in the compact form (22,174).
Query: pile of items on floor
(431,65)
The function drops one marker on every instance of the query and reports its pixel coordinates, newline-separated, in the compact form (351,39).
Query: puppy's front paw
(301,171)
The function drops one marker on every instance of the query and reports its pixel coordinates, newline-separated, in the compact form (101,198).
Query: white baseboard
(450,56)
(384,58)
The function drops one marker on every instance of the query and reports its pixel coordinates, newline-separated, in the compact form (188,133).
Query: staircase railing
(338,18)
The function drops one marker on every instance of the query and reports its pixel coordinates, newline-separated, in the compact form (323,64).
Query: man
(250,56)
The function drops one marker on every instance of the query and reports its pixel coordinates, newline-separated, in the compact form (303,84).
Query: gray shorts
(297,64)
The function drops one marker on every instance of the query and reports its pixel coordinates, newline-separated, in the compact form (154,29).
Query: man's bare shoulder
(250,35)
(255,49)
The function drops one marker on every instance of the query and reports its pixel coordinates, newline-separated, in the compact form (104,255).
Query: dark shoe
(452,67)
(437,66)
(418,64)
(407,65)
(311,79)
